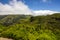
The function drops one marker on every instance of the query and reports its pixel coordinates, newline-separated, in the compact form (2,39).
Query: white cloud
(48,1)
(44,0)
(19,7)
(44,12)
(14,7)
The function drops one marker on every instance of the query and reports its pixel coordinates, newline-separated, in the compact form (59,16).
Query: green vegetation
(27,27)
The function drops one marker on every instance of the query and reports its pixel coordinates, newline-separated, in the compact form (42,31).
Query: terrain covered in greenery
(27,27)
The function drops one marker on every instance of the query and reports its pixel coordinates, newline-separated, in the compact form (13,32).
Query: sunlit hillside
(27,27)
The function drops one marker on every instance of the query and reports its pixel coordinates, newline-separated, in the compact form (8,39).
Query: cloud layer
(17,7)
(14,7)
(45,12)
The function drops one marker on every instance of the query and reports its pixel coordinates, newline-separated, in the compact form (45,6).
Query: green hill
(27,27)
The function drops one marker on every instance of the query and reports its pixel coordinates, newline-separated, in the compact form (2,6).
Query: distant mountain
(10,19)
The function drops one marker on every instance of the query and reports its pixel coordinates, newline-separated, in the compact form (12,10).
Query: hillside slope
(26,27)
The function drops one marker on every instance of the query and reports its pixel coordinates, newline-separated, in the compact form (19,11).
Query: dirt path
(4,38)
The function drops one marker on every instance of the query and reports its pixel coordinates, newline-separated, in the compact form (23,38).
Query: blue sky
(40,4)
